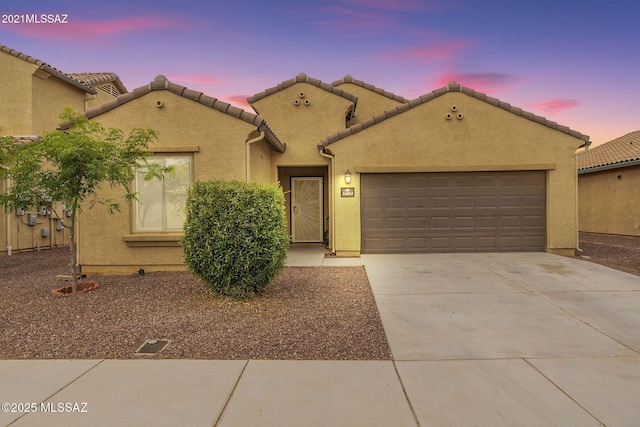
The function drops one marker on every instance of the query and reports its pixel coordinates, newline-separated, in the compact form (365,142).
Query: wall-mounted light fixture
(347,176)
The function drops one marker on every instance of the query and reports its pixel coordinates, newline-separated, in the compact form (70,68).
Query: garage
(503,211)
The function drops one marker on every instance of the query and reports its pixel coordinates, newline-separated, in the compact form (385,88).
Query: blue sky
(572,61)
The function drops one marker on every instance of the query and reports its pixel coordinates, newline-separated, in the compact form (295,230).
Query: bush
(235,235)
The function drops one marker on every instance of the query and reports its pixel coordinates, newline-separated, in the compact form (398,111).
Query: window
(161,202)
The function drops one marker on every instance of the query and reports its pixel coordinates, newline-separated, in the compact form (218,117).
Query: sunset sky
(576,62)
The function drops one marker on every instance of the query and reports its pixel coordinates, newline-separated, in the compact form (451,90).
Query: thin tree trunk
(74,256)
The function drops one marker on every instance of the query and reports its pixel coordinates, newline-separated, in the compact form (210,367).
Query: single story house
(609,187)
(363,170)
(33,95)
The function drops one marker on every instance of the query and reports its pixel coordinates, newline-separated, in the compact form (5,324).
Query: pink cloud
(443,51)
(89,31)
(195,78)
(481,82)
(555,105)
(239,101)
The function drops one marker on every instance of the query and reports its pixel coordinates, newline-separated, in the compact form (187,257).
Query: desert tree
(65,169)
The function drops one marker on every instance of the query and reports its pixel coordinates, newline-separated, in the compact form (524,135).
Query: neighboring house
(451,171)
(609,187)
(33,95)
(107,86)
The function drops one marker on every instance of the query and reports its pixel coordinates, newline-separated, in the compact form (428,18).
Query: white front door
(306,209)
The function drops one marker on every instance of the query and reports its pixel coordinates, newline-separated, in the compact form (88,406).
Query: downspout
(578,250)
(248,143)
(332,204)
(8,224)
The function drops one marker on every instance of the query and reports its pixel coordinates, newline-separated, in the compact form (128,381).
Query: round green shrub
(235,235)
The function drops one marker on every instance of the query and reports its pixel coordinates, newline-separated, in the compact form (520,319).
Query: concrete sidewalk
(478,340)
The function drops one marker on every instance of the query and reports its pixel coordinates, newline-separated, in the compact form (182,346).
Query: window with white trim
(161,202)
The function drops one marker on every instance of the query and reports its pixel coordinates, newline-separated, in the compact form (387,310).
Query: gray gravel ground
(306,313)
(619,252)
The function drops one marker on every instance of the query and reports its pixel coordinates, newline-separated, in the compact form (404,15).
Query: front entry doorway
(307,209)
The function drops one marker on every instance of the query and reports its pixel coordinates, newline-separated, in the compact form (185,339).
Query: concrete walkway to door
(511,339)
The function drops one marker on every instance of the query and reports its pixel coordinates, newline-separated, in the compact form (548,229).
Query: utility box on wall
(32,219)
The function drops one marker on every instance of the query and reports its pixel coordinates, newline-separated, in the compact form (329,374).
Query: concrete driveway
(511,339)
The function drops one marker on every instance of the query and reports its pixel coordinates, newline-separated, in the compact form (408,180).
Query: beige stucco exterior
(487,137)
(319,136)
(418,137)
(216,142)
(608,201)
(32,100)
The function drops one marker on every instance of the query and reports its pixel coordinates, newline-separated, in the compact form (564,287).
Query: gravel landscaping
(306,313)
(619,252)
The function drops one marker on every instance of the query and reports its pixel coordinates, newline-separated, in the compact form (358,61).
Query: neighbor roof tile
(617,152)
(97,79)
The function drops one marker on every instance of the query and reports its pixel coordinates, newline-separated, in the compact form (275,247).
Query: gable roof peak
(303,78)
(162,83)
(159,82)
(452,87)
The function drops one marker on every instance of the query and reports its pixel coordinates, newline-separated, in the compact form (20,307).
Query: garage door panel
(453,212)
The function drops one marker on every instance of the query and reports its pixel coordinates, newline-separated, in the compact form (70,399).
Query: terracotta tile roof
(303,78)
(372,88)
(48,68)
(450,87)
(161,83)
(97,79)
(617,153)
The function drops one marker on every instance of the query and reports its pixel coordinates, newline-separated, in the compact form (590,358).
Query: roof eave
(49,69)
(271,138)
(610,166)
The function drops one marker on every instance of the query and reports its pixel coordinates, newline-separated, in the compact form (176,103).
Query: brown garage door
(453,212)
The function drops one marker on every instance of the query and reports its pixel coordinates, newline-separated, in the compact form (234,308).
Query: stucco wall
(369,102)
(49,98)
(302,127)
(217,142)
(608,201)
(15,91)
(32,101)
(487,138)
(260,163)
(101,97)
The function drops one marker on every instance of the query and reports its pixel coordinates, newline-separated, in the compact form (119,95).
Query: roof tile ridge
(349,79)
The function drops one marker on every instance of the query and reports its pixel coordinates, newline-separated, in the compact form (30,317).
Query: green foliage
(235,235)
(68,166)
